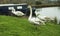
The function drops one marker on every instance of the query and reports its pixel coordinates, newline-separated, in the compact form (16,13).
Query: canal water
(50,12)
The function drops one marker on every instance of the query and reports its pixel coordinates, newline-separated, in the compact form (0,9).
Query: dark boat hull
(5,11)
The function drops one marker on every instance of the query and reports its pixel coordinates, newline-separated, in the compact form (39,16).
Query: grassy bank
(13,26)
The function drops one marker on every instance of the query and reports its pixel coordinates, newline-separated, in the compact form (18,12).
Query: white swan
(18,13)
(34,20)
(44,18)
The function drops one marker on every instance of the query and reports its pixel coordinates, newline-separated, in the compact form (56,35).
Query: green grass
(13,26)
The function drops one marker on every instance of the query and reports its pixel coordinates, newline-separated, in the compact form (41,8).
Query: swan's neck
(30,12)
(13,10)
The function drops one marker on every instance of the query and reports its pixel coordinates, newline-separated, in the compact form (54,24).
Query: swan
(18,13)
(44,18)
(34,20)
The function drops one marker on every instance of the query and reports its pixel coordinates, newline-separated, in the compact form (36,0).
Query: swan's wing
(21,12)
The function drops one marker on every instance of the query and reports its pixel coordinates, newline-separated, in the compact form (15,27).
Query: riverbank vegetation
(32,2)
